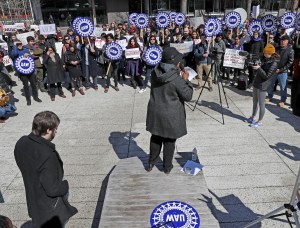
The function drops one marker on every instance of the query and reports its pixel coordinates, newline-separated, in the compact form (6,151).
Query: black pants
(156,143)
(113,72)
(32,79)
(53,88)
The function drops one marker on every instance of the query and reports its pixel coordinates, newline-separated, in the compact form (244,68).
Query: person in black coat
(55,72)
(43,173)
(166,117)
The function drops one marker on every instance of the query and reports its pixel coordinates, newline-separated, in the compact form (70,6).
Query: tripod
(216,67)
(288,207)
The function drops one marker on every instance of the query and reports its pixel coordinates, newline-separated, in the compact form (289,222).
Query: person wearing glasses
(271,40)
(66,47)
(166,39)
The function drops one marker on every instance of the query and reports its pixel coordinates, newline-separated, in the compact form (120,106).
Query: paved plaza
(249,172)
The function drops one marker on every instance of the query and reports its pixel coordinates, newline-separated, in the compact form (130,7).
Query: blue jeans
(7,109)
(282,78)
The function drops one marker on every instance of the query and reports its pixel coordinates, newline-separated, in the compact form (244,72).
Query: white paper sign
(99,43)
(7,61)
(108,32)
(22,37)
(191,72)
(4,45)
(20,25)
(10,28)
(132,53)
(58,47)
(196,21)
(128,37)
(47,29)
(233,59)
(97,32)
(183,48)
(123,43)
(35,27)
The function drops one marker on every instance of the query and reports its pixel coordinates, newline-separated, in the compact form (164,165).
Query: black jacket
(42,171)
(264,74)
(256,48)
(166,113)
(92,60)
(55,70)
(286,58)
(74,70)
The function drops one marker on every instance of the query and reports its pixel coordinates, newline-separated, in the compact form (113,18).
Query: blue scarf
(257,39)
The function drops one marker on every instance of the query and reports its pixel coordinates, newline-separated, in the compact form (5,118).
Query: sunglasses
(67,39)
(152,39)
(271,37)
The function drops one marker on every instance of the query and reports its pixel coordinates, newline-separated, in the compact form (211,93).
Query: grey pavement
(249,172)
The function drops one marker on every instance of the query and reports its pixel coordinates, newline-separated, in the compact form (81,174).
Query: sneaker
(250,120)
(280,104)
(117,88)
(106,90)
(142,90)
(267,100)
(256,124)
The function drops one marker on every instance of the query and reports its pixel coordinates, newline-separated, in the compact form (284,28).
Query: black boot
(37,99)
(28,101)
(133,83)
(150,167)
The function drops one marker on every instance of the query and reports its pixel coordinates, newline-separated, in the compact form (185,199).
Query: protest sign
(128,37)
(113,51)
(22,37)
(7,61)
(24,65)
(183,48)
(233,59)
(196,21)
(97,32)
(58,47)
(108,32)
(20,25)
(47,29)
(132,53)
(10,28)
(123,43)
(35,27)
(99,43)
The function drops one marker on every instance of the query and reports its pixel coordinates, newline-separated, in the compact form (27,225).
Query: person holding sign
(166,39)
(262,82)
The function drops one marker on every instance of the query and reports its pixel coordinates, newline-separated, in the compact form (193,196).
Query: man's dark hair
(43,121)
(29,38)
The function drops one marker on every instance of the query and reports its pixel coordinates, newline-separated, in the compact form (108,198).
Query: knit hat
(269,49)
(172,56)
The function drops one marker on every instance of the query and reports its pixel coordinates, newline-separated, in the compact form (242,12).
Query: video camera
(252,59)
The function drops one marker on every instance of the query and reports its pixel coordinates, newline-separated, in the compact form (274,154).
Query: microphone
(181,66)
(243,53)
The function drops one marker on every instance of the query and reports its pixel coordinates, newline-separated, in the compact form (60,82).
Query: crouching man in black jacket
(166,117)
(42,171)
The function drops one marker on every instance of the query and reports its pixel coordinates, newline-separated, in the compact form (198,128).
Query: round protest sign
(113,51)
(153,56)
(218,26)
(287,20)
(175,214)
(84,27)
(179,19)
(173,16)
(24,65)
(297,22)
(142,20)
(268,23)
(233,20)
(74,22)
(132,18)
(209,27)
(255,26)
(162,20)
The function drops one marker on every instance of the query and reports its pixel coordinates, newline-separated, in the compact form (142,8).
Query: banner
(7,61)
(22,37)
(97,32)
(10,28)
(58,47)
(47,29)
(99,43)
(132,53)
(233,59)
(20,25)
(123,43)
(183,48)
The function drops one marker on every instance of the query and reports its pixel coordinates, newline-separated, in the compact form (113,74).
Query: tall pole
(94,12)
(183,6)
(249,8)
(295,6)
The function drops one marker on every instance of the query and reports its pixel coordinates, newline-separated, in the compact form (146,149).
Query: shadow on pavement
(1,198)
(291,152)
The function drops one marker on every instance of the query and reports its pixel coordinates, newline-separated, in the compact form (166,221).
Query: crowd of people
(80,63)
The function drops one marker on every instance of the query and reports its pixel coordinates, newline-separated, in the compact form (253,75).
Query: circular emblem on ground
(287,20)
(179,19)
(74,22)
(209,27)
(255,26)
(268,23)
(153,56)
(142,20)
(114,51)
(233,20)
(132,18)
(218,26)
(297,22)
(175,214)
(84,27)
(162,20)
(173,16)
(24,65)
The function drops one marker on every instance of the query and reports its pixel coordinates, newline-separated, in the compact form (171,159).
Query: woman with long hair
(262,82)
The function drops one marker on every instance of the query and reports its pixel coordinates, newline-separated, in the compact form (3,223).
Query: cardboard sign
(123,43)
(10,28)
(97,32)
(47,29)
(233,59)
(99,43)
(58,47)
(22,37)
(132,53)
(7,61)
(183,48)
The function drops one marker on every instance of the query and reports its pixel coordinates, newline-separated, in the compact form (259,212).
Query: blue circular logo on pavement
(113,51)
(179,19)
(175,214)
(24,65)
(84,27)
(233,20)
(162,20)
(153,56)
(142,20)
(287,20)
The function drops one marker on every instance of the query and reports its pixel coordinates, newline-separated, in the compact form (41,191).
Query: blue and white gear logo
(255,26)
(173,16)
(297,22)
(142,20)
(24,65)
(84,27)
(268,23)
(162,20)
(218,26)
(175,214)
(153,56)
(179,19)
(233,20)
(132,18)
(287,20)
(209,27)
(113,51)
(75,21)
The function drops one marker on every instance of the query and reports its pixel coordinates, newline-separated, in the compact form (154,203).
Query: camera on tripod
(214,53)
(251,60)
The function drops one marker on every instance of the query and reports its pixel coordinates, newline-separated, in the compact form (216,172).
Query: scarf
(52,56)
(132,46)
(257,39)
